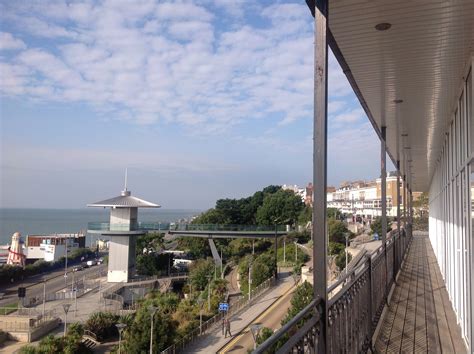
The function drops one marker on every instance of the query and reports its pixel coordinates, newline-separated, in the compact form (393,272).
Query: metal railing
(353,312)
(136,226)
(223,227)
(217,319)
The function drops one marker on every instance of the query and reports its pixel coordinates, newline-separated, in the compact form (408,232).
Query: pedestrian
(227,328)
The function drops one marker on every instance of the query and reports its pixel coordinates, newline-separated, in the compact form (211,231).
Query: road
(270,318)
(55,282)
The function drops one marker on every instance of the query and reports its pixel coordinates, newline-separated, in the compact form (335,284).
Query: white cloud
(148,61)
(350,116)
(8,42)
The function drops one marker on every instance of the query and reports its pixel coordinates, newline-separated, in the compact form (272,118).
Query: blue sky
(199,99)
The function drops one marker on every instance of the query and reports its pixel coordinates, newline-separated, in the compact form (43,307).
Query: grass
(9,308)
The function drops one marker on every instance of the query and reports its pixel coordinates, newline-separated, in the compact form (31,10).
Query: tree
(196,247)
(102,324)
(337,231)
(212,216)
(306,215)
(153,263)
(302,297)
(282,207)
(199,272)
(376,225)
(137,337)
(333,213)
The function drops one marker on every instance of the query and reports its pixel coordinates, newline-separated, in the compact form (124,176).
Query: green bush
(102,324)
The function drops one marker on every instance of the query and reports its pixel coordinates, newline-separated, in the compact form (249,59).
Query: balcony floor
(420,317)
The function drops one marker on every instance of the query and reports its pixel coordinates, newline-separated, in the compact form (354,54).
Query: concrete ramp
(215,253)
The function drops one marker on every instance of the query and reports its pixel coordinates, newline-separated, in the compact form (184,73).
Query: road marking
(258,318)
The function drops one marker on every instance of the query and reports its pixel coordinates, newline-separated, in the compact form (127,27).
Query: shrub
(102,324)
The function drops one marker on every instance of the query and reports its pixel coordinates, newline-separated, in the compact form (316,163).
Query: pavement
(214,341)
(270,318)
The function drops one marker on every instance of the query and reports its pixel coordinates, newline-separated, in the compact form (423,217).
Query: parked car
(91,263)
(77,268)
(100,261)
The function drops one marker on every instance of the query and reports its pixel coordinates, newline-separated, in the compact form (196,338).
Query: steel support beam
(320,165)
(383,175)
(405,203)
(399,250)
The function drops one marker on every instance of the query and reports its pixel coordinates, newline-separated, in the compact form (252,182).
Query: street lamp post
(120,327)
(200,302)
(284,249)
(209,278)
(296,252)
(347,241)
(250,279)
(66,309)
(255,329)
(152,310)
(44,296)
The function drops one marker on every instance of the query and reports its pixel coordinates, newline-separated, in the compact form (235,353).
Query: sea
(50,221)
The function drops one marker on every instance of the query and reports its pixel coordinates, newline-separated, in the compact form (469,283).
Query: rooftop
(125,200)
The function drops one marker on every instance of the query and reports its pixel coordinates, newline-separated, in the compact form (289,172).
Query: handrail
(285,328)
(355,308)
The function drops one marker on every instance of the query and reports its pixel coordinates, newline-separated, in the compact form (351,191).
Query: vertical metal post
(44,297)
(320,165)
(383,172)
(400,248)
(276,252)
(405,204)
(383,185)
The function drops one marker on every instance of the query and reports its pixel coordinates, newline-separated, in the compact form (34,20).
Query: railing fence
(353,312)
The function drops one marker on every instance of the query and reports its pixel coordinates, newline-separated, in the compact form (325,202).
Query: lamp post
(66,309)
(44,296)
(347,241)
(255,329)
(152,310)
(296,252)
(209,278)
(200,302)
(120,327)
(250,279)
(284,249)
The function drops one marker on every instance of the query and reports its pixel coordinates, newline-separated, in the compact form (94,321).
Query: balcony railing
(155,226)
(137,226)
(223,227)
(353,312)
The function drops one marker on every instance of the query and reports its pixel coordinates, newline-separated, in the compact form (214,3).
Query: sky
(200,100)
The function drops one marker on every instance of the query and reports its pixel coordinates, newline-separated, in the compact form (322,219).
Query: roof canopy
(125,200)
(419,54)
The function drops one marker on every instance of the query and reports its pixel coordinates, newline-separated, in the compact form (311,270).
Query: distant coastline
(44,221)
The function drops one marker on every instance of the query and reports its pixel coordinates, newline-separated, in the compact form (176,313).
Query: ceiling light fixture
(383,26)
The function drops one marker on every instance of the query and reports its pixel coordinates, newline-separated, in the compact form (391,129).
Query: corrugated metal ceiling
(421,60)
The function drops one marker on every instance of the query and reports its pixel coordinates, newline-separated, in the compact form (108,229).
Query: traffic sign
(223,306)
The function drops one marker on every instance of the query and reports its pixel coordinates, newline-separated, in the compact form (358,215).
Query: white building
(52,247)
(364,198)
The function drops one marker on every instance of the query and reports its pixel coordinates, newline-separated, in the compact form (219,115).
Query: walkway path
(214,340)
(420,317)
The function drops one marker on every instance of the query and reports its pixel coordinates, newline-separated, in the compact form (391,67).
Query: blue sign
(223,306)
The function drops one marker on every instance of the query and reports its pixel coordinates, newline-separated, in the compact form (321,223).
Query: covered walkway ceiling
(420,59)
